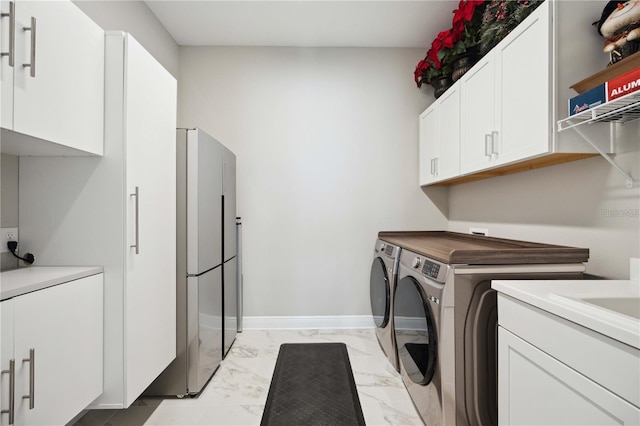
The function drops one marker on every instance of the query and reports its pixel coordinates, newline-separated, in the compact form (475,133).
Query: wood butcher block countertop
(457,248)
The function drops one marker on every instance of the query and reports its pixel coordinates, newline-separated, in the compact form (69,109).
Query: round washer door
(380,293)
(415,331)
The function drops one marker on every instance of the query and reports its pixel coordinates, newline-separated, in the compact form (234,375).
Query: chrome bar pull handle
(12,33)
(32,378)
(487,143)
(494,143)
(12,391)
(432,172)
(435,165)
(32,64)
(137,244)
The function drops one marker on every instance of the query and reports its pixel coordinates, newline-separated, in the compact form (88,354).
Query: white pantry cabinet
(52,339)
(440,138)
(512,98)
(59,97)
(118,211)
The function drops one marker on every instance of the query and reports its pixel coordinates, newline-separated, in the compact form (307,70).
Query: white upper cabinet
(440,138)
(523,83)
(506,103)
(478,113)
(512,98)
(57,101)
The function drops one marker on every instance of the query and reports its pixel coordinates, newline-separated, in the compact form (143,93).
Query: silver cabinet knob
(416,262)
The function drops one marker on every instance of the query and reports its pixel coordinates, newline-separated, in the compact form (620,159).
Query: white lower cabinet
(537,389)
(54,339)
(554,372)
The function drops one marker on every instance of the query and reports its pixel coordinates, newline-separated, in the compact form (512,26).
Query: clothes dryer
(384,271)
(445,318)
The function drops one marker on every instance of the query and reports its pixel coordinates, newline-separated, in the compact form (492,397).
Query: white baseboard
(312,322)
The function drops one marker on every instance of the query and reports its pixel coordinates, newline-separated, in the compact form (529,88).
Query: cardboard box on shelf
(614,88)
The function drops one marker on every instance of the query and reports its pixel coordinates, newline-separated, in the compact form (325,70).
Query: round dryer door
(415,331)
(380,293)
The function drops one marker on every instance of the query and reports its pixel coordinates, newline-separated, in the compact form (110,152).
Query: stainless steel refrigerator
(206,268)
(229,250)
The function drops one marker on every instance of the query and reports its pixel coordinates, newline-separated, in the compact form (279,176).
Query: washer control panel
(388,250)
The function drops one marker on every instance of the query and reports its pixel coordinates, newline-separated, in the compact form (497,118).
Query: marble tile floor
(238,390)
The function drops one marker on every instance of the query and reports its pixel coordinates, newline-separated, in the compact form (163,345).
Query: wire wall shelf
(621,110)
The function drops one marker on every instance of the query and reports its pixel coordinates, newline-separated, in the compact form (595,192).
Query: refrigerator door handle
(137,244)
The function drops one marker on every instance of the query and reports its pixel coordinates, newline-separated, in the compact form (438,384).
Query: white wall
(326,144)
(135,17)
(9,169)
(583,203)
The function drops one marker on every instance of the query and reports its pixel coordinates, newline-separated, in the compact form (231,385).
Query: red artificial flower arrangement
(460,38)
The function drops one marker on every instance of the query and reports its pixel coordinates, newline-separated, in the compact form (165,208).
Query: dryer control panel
(431,269)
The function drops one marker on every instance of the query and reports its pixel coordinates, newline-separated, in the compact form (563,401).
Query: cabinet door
(6,357)
(150,133)
(63,325)
(448,160)
(523,70)
(478,115)
(536,389)
(6,70)
(64,101)
(440,138)
(429,145)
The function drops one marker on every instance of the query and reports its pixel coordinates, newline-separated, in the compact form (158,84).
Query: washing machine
(418,320)
(445,319)
(384,271)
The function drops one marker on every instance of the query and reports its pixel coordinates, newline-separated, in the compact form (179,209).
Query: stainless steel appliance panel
(229,249)
(204,201)
(230,303)
(207,341)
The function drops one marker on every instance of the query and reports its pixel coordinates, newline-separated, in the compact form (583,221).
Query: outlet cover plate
(479,231)
(6,235)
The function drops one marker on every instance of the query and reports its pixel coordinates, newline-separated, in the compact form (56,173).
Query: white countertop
(564,299)
(25,280)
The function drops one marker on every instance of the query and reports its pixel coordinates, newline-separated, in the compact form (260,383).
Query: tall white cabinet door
(67,371)
(6,70)
(6,357)
(477,115)
(524,91)
(150,141)
(64,102)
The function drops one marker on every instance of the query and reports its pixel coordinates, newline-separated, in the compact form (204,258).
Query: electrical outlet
(479,231)
(6,235)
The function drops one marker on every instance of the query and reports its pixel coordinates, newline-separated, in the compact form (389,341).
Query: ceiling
(304,23)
